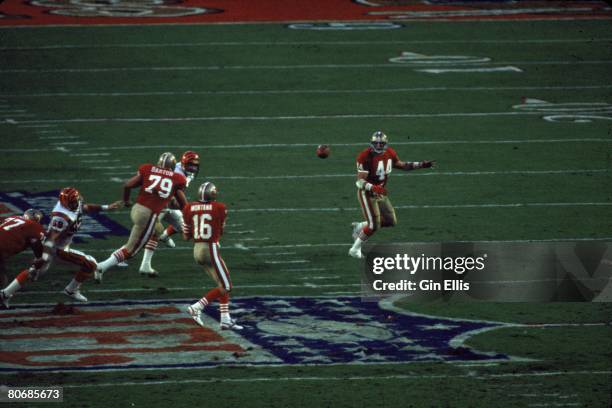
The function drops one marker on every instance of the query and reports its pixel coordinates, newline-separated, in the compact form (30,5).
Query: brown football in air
(323,151)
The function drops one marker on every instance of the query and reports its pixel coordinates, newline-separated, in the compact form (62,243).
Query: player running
(66,219)
(204,222)
(189,166)
(158,185)
(374,165)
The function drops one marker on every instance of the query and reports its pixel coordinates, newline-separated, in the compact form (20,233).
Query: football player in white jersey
(66,219)
(189,166)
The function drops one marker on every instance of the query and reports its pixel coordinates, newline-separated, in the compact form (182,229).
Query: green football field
(523,153)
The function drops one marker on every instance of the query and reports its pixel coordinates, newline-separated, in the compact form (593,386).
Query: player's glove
(425,164)
(380,190)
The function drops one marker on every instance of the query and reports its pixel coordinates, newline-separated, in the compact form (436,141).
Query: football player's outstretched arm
(96,208)
(425,164)
(128,186)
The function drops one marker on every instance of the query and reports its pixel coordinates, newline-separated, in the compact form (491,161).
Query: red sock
(170,230)
(213,294)
(224,299)
(23,277)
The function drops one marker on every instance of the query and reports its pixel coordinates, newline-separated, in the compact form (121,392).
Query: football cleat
(195,315)
(123,264)
(4,299)
(355,253)
(167,240)
(230,325)
(76,295)
(98,275)
(207,192)
(150,272)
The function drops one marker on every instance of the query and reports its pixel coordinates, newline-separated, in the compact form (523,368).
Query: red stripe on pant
(219,266)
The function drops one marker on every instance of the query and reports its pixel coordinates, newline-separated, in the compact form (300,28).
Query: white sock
(73,286)
(12,288)
(146,259)
(163,236)
(108,263)
(357,244)
(200,304)
(224,309)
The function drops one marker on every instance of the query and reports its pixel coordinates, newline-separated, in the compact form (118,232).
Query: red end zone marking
(67,12)
(173,338)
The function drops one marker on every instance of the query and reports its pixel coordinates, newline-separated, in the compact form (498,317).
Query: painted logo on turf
(97,226)
(577,112)
(280,331)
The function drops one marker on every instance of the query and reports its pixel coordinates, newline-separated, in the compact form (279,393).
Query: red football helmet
(190,161)
(207,192)
(70,197)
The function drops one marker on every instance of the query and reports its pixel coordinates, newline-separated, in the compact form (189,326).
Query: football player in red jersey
(374,165)
(189,166)
(204,222)
(17,233)
(66,218)
(158,185)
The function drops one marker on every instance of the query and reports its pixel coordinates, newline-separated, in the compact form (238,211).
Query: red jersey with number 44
(17,234)
(378,166)
(204,222)
(158,186)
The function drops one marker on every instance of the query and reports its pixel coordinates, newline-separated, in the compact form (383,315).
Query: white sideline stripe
(278,67)
(297,261)
(310,91)
(293,43)
(37,126)
(344,379)
(49,131)
(312,145)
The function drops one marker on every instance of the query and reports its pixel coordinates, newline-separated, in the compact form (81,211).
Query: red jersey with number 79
(158,186)
(204,222)
(18,233)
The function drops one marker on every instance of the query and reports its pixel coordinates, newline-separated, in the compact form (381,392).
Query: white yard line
(296,261)
(312,91)
(37,126)
(275,253)
(275,67)
(313,145)
(414,377)
(298,43)
(57,137)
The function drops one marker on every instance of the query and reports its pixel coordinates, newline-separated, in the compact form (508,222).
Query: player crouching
(66,219)
(204,222)
(374,165)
